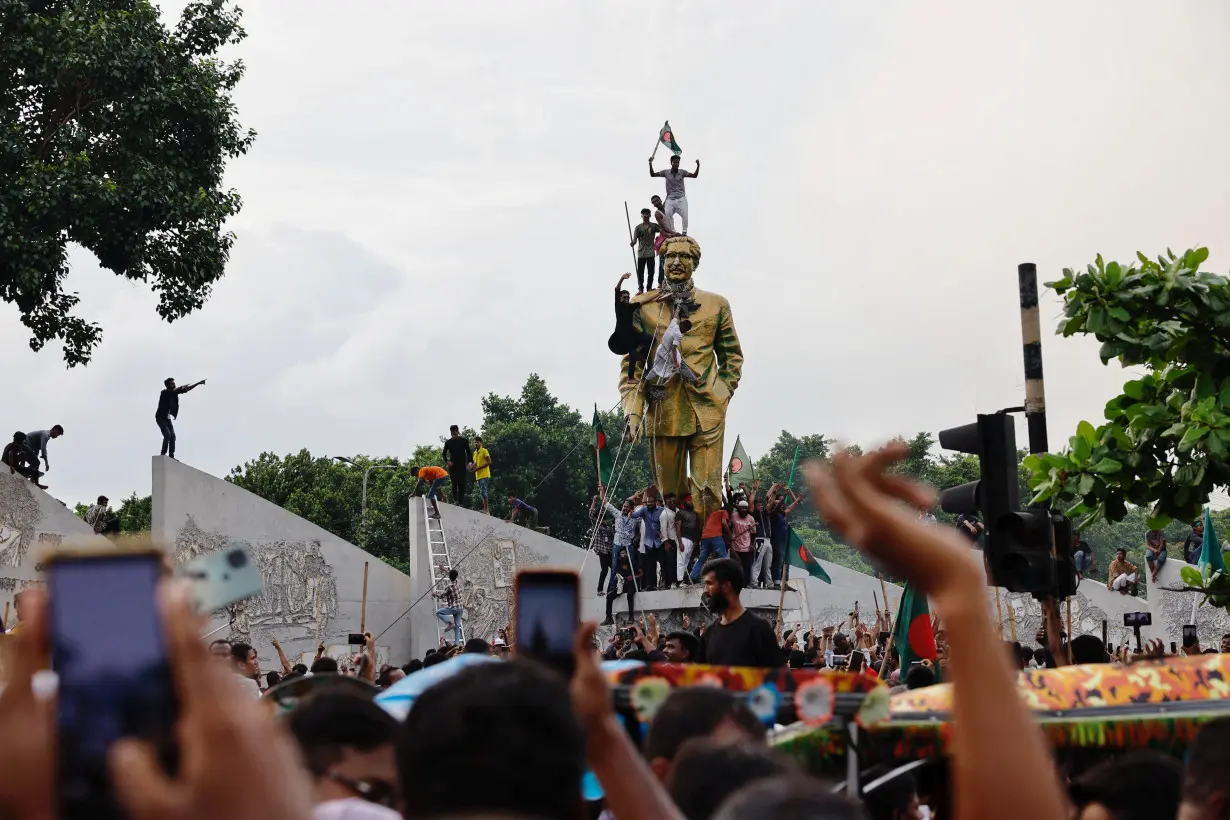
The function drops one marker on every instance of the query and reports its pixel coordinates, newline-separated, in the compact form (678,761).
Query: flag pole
(793,464)
(628,219)
(781,597)
(656,143)
(999,608)
(888,646)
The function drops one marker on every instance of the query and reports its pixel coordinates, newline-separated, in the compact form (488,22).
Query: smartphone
(356,639)
(1138,619)
(548,613)
(1174,649)
(1190,638)
(108,650)
(222,578)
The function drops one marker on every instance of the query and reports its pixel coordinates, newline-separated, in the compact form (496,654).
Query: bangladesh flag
(800,556)
(667,136)
(913,636)
(1211,560)
(739,470)
(602,455)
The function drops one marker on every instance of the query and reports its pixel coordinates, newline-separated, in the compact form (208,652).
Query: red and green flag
(800,556)
(914,638)
(602,454)
(667,138)
(739,470)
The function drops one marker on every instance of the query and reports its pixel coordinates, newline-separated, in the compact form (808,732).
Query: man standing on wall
(168,409)
(36,446)
(458,458)
(482,471)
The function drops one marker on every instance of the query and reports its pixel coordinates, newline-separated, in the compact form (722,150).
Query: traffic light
(1018,542)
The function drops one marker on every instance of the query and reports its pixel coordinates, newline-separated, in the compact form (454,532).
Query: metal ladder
(441,563)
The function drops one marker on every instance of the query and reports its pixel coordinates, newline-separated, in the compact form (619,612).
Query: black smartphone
(356,639)
(1138,619)
(108,650)
(548,613)
(1190,638)
(1174,649)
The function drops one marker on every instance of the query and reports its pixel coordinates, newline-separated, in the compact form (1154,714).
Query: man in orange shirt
(712,539)
(435,478)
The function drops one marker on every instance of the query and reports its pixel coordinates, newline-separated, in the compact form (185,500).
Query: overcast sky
(433,210)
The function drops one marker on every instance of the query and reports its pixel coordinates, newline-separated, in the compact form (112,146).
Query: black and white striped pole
(1031,346)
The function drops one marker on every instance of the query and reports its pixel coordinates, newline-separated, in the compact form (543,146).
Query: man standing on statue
(676,199)
(687,423)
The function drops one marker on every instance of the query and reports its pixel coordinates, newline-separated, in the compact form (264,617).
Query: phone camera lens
(237,559)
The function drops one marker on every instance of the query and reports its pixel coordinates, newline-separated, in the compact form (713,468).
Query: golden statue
(680,405)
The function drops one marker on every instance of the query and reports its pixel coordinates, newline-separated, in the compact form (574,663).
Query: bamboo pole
(1012,620)
(888,646)
(316,615)
(999,609)
(781,598)
(363,606)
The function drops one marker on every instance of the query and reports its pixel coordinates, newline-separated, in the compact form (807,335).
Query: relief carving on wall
(19,518)
(1176,610)
(1087,617)
(299,589)
(485,568)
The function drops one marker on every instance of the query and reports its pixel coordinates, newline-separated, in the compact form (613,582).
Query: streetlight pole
(366,473)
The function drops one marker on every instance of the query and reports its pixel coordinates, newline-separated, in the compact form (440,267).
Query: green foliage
(329,494)
(114,133)
(1166,442)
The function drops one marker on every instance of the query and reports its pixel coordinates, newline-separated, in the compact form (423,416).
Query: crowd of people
(515,739)
(658,541)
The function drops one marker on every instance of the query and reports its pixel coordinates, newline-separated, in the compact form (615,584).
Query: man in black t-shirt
(168,408)
(457,460)
(737,637)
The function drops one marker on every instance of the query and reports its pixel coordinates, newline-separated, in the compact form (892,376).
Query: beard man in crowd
(737,638)
(347,744)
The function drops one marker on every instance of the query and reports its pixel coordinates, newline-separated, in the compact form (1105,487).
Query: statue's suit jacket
(711,349)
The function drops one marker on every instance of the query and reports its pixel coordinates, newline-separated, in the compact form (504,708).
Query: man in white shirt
(676,197)
(247,668)
(669,532)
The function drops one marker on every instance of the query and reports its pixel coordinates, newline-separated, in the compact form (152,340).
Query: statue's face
(679,261)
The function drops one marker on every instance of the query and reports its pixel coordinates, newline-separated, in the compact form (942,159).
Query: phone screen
(547,618)
(114,677)
(1190,638)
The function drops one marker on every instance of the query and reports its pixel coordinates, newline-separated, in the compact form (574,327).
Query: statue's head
(681,256)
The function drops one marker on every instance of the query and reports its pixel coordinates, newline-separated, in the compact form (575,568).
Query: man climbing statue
(687,423)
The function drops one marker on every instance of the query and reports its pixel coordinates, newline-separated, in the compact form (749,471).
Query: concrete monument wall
(32,523)
(313,580)
(1172,609)
(487,552)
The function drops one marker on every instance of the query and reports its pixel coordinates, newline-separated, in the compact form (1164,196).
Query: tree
(329,493)
(114,134)
(1166,440)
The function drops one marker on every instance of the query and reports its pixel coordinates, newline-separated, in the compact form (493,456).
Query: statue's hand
(631,429)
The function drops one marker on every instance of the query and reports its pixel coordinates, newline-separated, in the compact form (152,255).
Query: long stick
(781,598)
(316,613)
(999,609)
(1069,602)
(1012,620)
(631,241)
(363,607)
(793,464)
(656,143)
(884,591)
(888,647)
(811,616)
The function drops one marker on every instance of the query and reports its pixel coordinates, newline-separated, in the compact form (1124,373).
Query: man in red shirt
(712,539)
(435,478)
